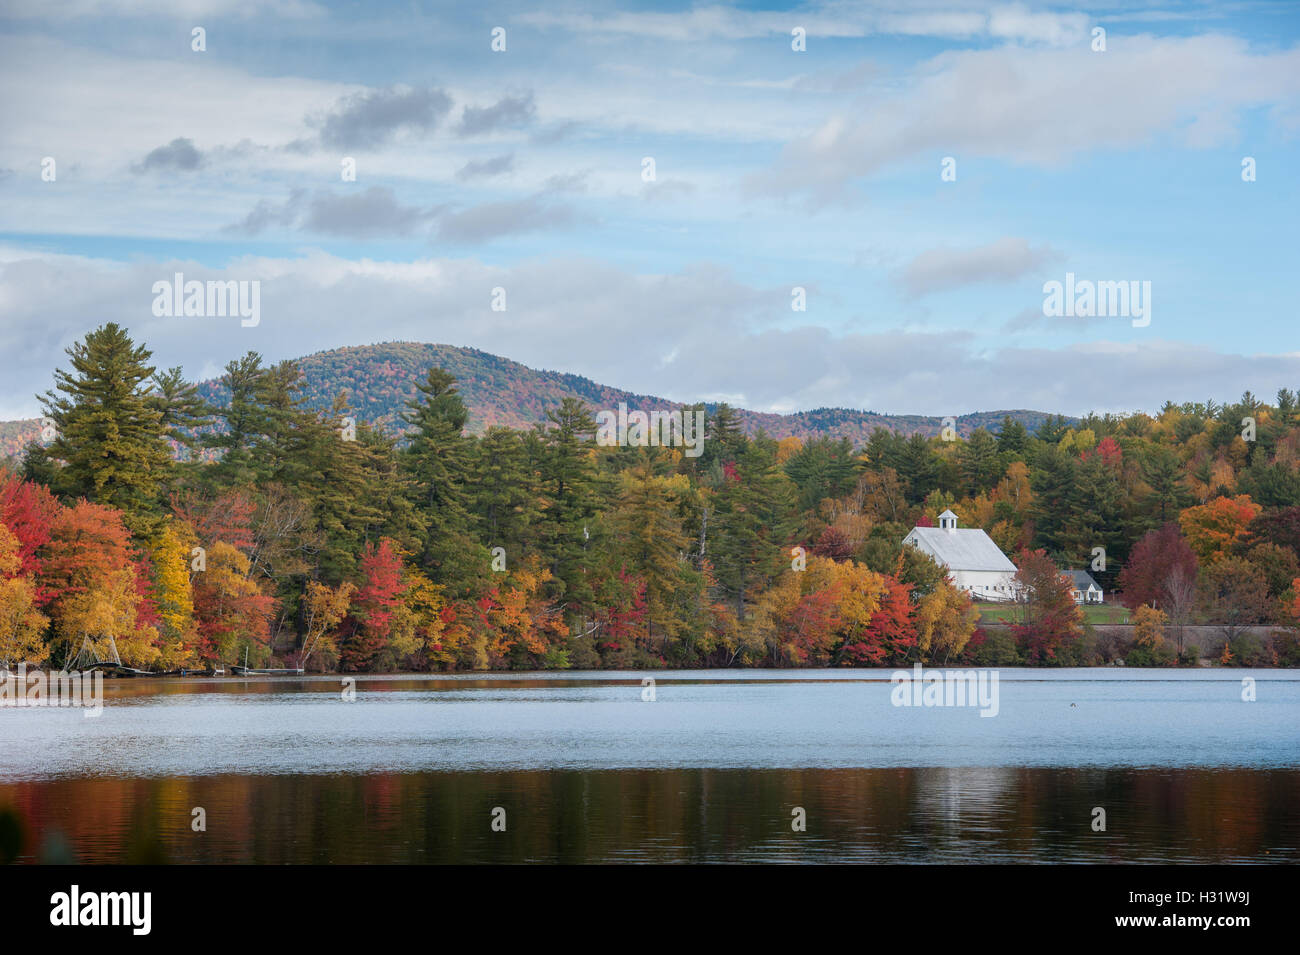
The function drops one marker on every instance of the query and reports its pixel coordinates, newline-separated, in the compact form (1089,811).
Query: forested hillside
(311,537)
(380,379)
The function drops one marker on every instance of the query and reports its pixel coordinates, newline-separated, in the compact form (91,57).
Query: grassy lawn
(1093,613)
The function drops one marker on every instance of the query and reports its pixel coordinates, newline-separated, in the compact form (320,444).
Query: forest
(196,534)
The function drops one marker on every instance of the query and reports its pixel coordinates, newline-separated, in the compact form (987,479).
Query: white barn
(975,564)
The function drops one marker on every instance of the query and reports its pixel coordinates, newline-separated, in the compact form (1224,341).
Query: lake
(578,767)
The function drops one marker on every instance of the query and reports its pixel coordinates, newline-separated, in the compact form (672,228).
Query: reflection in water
(873,815)
(287,771)
(178,728)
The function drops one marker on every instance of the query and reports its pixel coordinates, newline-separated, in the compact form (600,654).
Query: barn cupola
(948,521)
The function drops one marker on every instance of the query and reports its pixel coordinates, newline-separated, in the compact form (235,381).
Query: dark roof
(1082,579)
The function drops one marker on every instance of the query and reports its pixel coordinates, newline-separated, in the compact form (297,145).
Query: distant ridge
(380,379)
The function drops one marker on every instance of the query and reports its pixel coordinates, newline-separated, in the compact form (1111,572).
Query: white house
(1083,588)
(975,564)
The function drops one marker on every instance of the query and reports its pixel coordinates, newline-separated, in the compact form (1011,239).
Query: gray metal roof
(1081,579)
(963,548)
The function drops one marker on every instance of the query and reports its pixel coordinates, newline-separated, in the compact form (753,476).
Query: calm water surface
(288,771)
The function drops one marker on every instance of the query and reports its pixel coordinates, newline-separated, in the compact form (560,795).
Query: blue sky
(774,168)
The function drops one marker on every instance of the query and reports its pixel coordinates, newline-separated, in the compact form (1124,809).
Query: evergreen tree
(1013,439)
(724,436)
(1286,406)
(505,495)
(357,492)
(648,535)
(1272,485)
(978,461)
(1053,429)
(244,422)
(918,468)
(822,468)
(110,442)
(1053,486)
(184,411)
(1162,472)
(885,450)
(1094,515)
(437,461)
(281,413)
(571,499)
(752,520)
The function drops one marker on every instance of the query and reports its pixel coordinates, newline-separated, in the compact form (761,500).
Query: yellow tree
(1012,499)
(104,616)
(1079,441)
(945,620)
(421,628)
(229,607)
(1148,626)
(174,596)
(805,614)
(324,608)
(22,626)
(978,511)
(858,592)
(766,625)
(725,637)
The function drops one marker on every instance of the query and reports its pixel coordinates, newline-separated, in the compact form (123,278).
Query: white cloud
(950,19)
(103,112)
(1003,260)
(1045,106)
(697,333)
(59,10)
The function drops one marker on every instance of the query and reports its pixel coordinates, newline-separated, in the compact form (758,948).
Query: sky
(649,185)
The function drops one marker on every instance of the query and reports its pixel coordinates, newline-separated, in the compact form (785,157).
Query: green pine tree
(110,443)
(750,524)
(504,498)
(571,498)
(1013,439)
(649,540)
(437,463)
(979,462)
(244,421)
(184,411)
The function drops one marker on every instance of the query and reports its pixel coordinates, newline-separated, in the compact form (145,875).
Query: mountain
(15,435)
(380,379)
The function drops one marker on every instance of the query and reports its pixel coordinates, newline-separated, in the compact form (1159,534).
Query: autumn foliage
(262,519)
